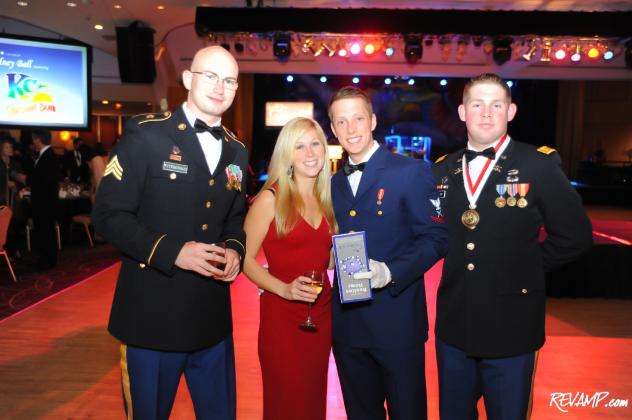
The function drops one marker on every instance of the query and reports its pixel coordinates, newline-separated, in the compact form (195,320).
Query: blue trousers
(150,380)
(506,384)
(370,376)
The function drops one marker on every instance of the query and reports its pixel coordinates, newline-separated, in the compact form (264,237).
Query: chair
(5,219)
(30,226)
(85,221)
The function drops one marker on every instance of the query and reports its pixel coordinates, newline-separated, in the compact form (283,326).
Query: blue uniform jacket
(406,232)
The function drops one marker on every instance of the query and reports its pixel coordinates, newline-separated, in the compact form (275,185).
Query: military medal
(522,201)
(500,201)
(470,217)
(234,177)
(513,190)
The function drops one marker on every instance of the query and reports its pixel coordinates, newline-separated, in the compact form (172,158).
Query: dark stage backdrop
(423,109)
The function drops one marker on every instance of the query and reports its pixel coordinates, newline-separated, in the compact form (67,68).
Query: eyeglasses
(212,79)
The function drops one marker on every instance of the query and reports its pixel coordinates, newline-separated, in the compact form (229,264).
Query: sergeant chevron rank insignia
(114,168)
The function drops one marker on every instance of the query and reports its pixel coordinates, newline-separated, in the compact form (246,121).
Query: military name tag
(175,167)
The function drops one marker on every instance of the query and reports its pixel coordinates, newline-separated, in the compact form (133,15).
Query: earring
(290,171)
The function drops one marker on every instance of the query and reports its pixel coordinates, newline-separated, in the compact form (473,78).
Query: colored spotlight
(388,81)
(289,78)
(369,49)
(608,55)
(355,48)
(389,51)
(411,82)
(323,79)
(342,52)
(560,54)
(356,80)
(510,84)
(593,52)
(576,55)
(443,82)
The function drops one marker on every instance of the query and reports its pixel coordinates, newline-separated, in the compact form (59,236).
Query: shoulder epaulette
(231,135)
(153,117)
(546,150)
(440,159)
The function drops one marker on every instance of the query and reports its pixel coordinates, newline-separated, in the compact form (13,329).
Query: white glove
(379,274)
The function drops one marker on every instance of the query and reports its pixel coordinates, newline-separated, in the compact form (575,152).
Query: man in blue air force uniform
(174,188)
(379,344)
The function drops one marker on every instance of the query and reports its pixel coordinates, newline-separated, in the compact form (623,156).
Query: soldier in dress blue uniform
(496,195)
(174,189)
(379,344)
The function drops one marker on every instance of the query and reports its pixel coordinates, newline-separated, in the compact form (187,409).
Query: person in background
(173,193)
(76,167)
(379,344)
(293,220)
(7,185)
(496,196)
(44,185)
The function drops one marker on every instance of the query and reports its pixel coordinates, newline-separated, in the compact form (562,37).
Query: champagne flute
(316,282)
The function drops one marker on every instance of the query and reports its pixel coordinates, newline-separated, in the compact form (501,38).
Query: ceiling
(78,22)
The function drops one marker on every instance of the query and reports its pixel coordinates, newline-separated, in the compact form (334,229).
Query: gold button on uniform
(379,212)
(352,213)
(172,175)
(211,182)
(141,265)
(524,291)
(470,267)
(208,204)
(204,226)
(470,246)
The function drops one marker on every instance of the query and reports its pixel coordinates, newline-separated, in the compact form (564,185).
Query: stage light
(413,49)
(443,82)
(330,50)
(460,51)
(593,52)
(608,55)
(510,84)
(477,40)
(388,81)
(577,54)
(389,51)
(530,52)
(342,51)
(501,49)
(239,47)
(355,80)
(546,52)
(560,53)
(289,78)
(411,82)
(323,79)
(369,48)
(355,48)
(282,47)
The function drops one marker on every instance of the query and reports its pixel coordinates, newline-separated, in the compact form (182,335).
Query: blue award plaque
(351,258)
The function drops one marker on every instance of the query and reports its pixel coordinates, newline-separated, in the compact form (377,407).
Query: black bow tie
(471,154)
(349,168)
(200,127)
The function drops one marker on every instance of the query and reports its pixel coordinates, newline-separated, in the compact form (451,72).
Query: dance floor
(57,361)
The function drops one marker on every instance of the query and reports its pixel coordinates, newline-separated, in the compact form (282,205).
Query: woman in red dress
(292,218)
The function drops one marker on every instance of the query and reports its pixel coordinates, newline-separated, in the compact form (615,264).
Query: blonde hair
(289,205)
